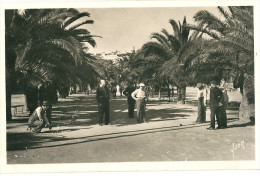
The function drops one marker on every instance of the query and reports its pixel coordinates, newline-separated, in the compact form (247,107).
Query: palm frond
(154,48)
(224,12)
(72,19)
(160,38)
(198,28)
(176,30)
(80,24)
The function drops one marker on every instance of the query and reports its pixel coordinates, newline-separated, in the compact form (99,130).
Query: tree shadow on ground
(252,123)
(33,141)
(82,111)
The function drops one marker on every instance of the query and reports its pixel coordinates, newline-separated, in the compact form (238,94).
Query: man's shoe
(210,128)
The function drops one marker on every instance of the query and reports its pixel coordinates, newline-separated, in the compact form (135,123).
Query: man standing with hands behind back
(140,96)
(103,98)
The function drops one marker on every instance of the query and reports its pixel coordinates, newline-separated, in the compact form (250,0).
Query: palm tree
(173,53)
(233,43)
(47,43)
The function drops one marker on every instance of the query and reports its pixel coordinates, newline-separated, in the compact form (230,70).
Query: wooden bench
(16,107)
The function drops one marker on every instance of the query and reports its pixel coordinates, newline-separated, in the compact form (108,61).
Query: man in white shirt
(140,95)
(38,119)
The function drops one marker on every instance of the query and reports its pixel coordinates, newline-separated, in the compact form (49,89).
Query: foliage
(50,45)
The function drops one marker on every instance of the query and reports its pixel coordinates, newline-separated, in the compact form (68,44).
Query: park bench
(15,107)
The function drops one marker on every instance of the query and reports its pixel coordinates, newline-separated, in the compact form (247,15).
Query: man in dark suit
(215,97)
(103,98)
(131,102)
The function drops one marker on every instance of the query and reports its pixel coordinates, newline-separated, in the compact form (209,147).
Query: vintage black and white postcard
(94,86)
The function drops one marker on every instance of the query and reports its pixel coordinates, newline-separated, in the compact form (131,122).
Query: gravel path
(171,135)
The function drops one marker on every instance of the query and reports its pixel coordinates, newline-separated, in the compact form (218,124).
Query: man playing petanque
(38,119)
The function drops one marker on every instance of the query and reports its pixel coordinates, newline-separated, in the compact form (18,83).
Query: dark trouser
(131,108)
(201,111)
(140,108)
(223,116)
(31,110)
(214,112)
(48,113)
(37,125)
(103,108)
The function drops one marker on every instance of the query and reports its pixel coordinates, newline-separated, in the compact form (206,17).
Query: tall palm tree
(233,43)
(174,51)
(48,43)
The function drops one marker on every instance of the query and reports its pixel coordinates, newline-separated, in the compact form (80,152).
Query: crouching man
(38,119)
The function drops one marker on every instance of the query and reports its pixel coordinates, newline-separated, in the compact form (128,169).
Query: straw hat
(141,85)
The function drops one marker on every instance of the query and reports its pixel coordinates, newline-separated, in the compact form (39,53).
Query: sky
(124,28)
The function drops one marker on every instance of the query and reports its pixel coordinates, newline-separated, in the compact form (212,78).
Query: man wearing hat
(47,92)
(215,97)
(38,119)
(131,102)
(140,95)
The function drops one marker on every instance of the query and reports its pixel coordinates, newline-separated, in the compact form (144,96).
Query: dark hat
(213,82)
(199,85)
(45,103)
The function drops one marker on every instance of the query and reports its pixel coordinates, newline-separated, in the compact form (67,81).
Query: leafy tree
(172,54)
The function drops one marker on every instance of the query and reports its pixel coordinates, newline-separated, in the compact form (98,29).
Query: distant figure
(202,98)
(215,97)
(103,98)
(140,96)
(39,119)
(120,90)
(131,102)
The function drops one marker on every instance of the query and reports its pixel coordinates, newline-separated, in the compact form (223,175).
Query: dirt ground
(170,135)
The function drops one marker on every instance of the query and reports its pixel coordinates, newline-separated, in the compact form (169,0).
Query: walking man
(215,97)
(103,98)
(131,102)
(38,119)
(140,95)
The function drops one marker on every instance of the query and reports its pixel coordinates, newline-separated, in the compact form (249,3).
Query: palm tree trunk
(181,95)
(247,105)
(9,87)
(8,105)
(159,92)
(10,79)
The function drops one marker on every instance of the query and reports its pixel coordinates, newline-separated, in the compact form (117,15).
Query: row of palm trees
(48,44)
(214,48)
(51,44)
